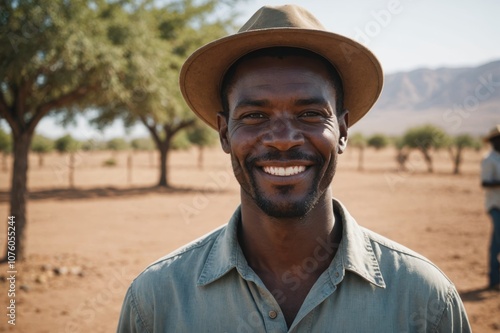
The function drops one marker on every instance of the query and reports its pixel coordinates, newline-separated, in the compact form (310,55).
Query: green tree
(117,144)
(5,147)
(358,141)
(158,42)
(403,152)
(424,138)
(456,147)
(41,145)
(142,144)
(55,57)
(92,145)
(378,141)
(67,145)
(202,136)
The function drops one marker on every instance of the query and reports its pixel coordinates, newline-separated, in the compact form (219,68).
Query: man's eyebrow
(311,101)
(245,102)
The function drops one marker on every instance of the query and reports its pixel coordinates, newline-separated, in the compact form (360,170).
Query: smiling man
(282,93)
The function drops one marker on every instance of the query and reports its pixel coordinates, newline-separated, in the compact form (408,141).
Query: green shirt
(372,285)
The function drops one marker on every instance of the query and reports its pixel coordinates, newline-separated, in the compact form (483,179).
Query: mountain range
(460,100)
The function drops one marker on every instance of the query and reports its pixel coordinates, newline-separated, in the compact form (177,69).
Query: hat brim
(491,136)
(202,73)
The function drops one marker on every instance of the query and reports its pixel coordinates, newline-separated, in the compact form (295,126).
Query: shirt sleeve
(130,321)
(454,318)
(487,170)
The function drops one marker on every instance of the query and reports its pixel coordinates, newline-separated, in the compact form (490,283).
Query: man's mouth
(284,171)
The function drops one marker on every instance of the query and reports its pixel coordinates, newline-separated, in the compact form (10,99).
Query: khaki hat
(290,26)
(494,132)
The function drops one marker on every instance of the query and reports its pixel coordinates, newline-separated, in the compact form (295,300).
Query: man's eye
(311,114)
(254,116)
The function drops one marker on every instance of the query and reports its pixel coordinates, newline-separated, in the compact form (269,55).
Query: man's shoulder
(399,260)
(491,157)
(181,262)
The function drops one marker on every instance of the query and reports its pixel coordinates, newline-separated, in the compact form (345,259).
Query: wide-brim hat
(494,132)
(290,26)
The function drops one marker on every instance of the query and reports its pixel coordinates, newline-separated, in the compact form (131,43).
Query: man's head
(278,92)
(493,138)
(281,26)
(284,127)
(495,143)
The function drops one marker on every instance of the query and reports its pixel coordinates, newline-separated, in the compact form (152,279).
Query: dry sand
(107,230)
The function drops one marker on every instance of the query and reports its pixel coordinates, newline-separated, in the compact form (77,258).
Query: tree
(201,136)
(41,145)
(117,144)
(5,147)
(457,145)
(402,152)
(66,144)
(424,138)
(55,57)
(378,141)
(142,144)
(157,43)
(358,141)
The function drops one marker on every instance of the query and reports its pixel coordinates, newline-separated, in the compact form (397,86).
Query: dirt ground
(87,244)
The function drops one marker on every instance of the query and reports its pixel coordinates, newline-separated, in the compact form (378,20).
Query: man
(282,93)
(490,177)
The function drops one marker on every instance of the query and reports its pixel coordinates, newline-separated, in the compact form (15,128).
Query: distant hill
(458,99)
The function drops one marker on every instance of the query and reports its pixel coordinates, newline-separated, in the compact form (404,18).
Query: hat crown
(287,16)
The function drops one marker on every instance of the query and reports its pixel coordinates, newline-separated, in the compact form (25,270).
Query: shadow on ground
(477,295)
(105,192)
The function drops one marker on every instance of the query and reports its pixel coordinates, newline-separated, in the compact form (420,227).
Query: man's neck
(274,245)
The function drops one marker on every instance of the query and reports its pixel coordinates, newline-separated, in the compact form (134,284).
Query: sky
(403,34)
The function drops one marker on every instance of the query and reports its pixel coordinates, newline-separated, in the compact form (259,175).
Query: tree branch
(183,124)
(62,101)
(152,130)
(5,112)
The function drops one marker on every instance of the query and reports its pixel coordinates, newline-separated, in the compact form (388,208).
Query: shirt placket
(268,308)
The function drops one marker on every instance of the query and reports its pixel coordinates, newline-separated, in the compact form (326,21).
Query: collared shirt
(371,285)
(490,171)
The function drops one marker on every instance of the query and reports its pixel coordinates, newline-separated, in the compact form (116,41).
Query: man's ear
(343,120)
(222,127)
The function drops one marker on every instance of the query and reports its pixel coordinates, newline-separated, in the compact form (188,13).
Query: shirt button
(337,274)
(273,314)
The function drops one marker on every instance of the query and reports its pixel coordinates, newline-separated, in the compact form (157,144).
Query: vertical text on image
(11,270)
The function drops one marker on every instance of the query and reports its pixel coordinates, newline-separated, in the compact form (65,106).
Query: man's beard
(290,209)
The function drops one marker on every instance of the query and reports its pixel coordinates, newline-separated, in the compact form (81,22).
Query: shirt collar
(355,252)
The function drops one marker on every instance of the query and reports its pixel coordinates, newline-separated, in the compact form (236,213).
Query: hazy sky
(403,34)
(408,34)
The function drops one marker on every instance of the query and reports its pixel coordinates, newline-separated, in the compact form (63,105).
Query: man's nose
(283,135)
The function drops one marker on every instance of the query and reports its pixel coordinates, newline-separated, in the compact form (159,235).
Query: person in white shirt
(490,180)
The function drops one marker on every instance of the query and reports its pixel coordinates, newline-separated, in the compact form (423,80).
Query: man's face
(282,133)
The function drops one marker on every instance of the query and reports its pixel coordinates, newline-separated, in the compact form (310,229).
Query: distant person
(490,177)
(282,93)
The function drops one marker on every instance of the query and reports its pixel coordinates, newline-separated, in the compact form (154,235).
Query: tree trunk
(164,151)
(200,157)
(4,162)
(428,160)
(129,168)
(19,192)
(71,172)
(457,161)
(40,160)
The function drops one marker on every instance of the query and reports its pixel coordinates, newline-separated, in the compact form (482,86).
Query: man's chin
(285,209)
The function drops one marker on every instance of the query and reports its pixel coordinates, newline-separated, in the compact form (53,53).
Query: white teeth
(288,171)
